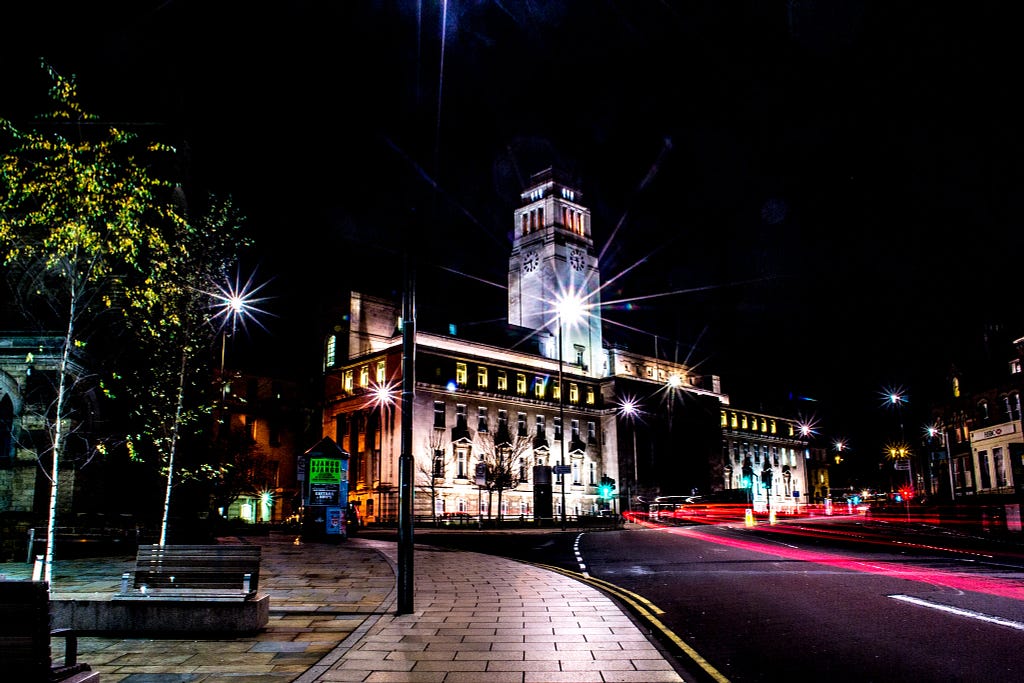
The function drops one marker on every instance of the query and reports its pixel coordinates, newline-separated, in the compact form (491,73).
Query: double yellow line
(648,611)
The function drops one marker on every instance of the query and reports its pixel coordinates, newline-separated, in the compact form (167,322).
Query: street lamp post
(571,307)
(628,408)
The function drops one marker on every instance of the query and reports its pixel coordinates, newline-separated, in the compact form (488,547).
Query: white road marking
(961,612)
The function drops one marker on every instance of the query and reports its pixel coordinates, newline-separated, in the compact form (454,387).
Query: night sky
(830,189)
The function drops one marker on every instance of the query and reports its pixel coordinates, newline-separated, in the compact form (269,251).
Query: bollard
(37,569)
(749,517)
(771,517)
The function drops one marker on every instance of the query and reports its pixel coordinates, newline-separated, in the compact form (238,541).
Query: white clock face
(576,259)
(530,262)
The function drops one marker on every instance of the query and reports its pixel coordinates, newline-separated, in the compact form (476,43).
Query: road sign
(901,465)
(561,469)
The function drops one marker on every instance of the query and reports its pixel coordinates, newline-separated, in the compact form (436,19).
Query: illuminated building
(545,390)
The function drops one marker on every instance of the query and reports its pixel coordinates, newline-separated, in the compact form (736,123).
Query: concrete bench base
(153,617)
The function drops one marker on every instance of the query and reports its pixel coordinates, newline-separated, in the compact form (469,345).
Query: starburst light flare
(237,302)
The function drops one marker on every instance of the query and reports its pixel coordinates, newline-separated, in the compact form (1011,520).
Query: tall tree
(176,328)
(79,212)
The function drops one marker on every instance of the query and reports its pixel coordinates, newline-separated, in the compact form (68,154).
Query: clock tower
(553,260)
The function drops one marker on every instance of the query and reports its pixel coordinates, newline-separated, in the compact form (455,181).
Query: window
(460,463)
(439,414)
(590,396)
(538,387)
(558,428)
(983,409)
(348,381)
(340,423)
(521,384)
(733,421)
(460,415)
(983,470)
(650,371)
(575,426)
(556,390)
(591,431)
(576,474)
(332,344)
(502,381)
(743,421)
(725,420)
(502,419)
(578,351)
(574,392)
(1000,467)
(764,425)
(540,425)
(460,374)
(364,376)
(521,424)
(381,372)
(771,428)
(593,473)
(481,377)
(523,471)
(438,464)
(481,419)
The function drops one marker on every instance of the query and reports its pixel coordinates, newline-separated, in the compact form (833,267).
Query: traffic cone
(749,518)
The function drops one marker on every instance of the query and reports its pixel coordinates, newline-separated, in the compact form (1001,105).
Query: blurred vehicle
(455,518)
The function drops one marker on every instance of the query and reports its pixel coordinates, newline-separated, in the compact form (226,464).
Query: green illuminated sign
(324,471)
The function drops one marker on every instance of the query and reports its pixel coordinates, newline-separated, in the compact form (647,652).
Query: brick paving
(477,618)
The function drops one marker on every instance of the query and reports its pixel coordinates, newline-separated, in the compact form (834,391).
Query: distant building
(502,422)
(274,415)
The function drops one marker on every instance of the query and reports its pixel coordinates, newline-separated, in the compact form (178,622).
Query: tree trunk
(174,447)
(58,442)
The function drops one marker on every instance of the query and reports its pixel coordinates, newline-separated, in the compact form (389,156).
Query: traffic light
(606,487)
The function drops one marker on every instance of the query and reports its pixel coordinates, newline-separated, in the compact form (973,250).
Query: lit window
(521,384)
(743,421)
(556,390)
(348,381)
(590,396)
(725,420)
(764,425)
(734,424)
(461,374)
(574,392)
(481,377)
(538,387)
(381,372)
(364,376)
(773,427)
(332,343)
(502,381)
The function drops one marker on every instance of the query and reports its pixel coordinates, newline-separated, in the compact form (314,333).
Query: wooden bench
(214,573)
(25,636)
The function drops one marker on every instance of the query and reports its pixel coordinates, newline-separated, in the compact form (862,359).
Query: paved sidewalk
(477,618)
